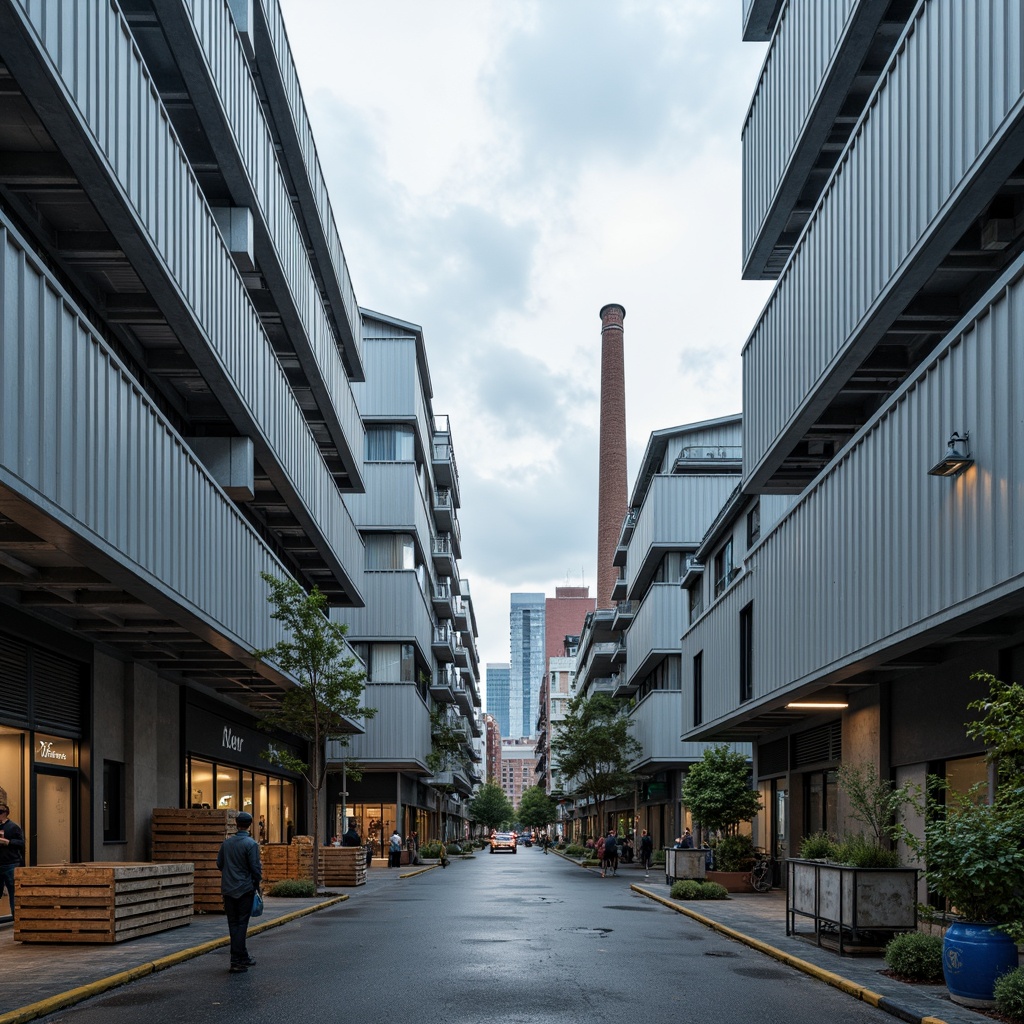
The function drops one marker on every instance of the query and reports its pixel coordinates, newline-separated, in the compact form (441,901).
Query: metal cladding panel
(400,731)
(91,54)
(657,723)
(938,112)
(106,465)
(396,611)
(229,71)
(936,548)
(800,56)
(393,501)
(676,513)
(657,625)
(314,184)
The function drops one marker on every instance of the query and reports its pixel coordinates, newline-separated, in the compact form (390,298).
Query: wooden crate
(194,835)
(342,865)
(100,902)
(287,860)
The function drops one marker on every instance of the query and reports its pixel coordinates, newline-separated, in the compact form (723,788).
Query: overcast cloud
(501,170)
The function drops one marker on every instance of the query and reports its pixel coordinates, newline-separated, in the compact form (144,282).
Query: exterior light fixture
(956,459)
(818,705)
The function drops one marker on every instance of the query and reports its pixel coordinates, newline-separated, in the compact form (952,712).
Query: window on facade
(670,568)
(723,567)
(390,551)
(389,442)
(821,791)
(753,525)
(113,802)
(696,594)
(698,688)
(747,652)
(393,663)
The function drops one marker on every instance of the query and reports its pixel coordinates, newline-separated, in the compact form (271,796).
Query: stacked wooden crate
(100,902)
(194,835)
(287,860)
(342,865)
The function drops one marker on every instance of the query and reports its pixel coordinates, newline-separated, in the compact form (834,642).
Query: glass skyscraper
(497,694)
(526,633)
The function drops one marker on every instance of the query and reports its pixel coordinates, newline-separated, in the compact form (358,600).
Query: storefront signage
(212,736)
(56,750)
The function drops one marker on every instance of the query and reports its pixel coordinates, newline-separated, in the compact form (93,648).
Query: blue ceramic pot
(973,956)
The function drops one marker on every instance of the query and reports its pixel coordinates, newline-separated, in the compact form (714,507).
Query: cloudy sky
(499,171)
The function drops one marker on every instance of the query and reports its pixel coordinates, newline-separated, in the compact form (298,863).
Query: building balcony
(446,473)
(460,615)
(442,645)
(442,551)
(619,589)
(443,684)
(463,698)
(624,612)
(444,602)
(446,519)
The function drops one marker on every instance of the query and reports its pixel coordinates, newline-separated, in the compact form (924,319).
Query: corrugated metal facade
(656,627)
(951,94)
(400,734)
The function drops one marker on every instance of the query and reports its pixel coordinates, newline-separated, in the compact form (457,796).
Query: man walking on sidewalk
(646,849)
(12,852)
(241,874)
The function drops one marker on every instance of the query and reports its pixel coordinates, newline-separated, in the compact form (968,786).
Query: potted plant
(855,885)
(974,854)
(717,792)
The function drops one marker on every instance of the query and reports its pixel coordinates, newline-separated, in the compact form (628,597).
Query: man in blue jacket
(12,852)
(241,874)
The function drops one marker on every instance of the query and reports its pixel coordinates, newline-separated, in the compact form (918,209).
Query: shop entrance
(53,839)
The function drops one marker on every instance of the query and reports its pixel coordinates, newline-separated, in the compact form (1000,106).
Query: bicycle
(762,874)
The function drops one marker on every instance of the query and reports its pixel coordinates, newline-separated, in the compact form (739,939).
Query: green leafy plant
(916,956)
(430,851)
(717,790)
(536,809)
(328,690)
(685,889)
(491,807)
(1009,993)
(574,850)
(858,851)
(293,888)
(818,846)
(658,857)
(734,853)
(713,891)
(874,802)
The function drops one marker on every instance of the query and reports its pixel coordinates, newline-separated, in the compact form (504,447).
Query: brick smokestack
(611,487)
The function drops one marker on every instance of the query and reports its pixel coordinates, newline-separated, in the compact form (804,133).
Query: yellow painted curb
(866,995)
(95,988)
(407,874)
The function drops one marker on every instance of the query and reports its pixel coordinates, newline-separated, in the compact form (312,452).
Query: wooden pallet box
(287,860)
(100,902)
(194,835)
(342,865)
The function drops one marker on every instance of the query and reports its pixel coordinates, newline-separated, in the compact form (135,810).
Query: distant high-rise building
(526,633)
(498,675)
(518,768)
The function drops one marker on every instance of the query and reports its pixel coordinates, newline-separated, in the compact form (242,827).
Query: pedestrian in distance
(687,842)
(12,852)
(611,853)
(351,837)
(395,850)
(241,874)
(599,853)
(646,852)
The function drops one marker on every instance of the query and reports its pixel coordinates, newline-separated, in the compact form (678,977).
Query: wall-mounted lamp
(956,459)
(817,705)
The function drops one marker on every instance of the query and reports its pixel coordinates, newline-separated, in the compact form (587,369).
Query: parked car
(503,841)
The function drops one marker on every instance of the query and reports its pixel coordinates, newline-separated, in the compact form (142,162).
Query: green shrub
(293,887)
(734,853)
(1009,991)
(685,889)
(915,955)
(574,850)
(818,846)
(860,852)
(430,851)
(658,857)
(712,891)
(454,848)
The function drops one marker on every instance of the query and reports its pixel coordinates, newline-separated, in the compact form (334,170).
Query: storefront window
(201,784)
(228,789)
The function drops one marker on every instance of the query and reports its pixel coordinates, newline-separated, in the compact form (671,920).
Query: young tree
(594,748)
(717,790)
(536,808)
(491,807)
(328,691)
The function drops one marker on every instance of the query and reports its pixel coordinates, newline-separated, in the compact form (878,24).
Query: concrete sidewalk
(759,920)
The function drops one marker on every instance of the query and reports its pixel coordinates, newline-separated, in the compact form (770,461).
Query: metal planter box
(847,902)
(684,864)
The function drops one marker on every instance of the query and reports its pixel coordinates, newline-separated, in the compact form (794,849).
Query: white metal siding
(951,91)
(657,625)
(400,731)
(396,611)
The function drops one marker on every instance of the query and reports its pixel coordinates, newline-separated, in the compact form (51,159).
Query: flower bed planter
(683,864)
(850,905)
(732,881)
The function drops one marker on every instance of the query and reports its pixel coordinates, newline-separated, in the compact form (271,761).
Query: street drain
(599,933)
(720,952)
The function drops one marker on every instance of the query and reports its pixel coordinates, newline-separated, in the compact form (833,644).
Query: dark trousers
(7,882)
(238,910)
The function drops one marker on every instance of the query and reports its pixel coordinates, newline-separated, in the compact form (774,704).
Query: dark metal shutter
(818,746)
(13,681)
(58,693)
(773,758)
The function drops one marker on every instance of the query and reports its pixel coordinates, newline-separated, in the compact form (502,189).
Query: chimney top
(608,308)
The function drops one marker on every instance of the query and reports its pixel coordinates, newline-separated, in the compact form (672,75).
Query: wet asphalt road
(511,938)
